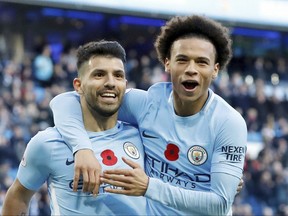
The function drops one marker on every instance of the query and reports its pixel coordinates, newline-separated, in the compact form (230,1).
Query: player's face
(192,68)
(103,84)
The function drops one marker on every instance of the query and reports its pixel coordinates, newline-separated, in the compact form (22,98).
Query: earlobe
(216,70)
(77,85)
(167,65)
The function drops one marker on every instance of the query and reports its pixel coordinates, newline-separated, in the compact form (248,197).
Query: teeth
(109,95)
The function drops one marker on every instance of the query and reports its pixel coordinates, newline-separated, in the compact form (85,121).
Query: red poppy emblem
(172,152)
(109,158)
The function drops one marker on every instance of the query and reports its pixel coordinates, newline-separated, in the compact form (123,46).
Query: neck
(95,122)
(188,107)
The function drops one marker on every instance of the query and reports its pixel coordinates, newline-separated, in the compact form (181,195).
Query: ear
(215,71)
(77,85)
(167,65)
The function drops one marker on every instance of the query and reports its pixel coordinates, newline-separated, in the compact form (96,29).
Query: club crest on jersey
(197,155)
(131,150)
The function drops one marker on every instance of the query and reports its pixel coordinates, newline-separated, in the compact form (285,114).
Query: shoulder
(47,134)
(39,149)
(227,113)
(160,91)
(129,127)
(155,89)
(43,139)
(64,97)
(163,87)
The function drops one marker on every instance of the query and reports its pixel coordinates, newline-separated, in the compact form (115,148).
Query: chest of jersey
(109,152)
(178,150)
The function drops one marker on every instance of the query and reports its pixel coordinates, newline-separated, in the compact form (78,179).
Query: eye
(119,75)
(181,60)
(202,62)
(98,74)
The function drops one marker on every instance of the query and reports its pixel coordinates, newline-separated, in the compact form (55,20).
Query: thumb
(131,163)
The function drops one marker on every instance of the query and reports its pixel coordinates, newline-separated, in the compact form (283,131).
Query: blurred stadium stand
(255,83)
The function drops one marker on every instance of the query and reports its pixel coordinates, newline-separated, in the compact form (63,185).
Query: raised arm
(17,200)
(68,119)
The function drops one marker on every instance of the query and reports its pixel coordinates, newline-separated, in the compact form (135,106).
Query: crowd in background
(258,90)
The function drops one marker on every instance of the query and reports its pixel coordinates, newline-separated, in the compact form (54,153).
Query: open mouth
(190,85)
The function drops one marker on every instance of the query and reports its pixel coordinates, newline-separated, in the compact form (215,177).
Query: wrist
(147,185)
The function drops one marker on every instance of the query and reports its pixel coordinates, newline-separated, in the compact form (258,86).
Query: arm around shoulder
(67,116)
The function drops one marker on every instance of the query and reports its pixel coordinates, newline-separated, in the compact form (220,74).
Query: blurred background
(38,40)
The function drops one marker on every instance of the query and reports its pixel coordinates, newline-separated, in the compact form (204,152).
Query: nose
(110,81)
(191,68)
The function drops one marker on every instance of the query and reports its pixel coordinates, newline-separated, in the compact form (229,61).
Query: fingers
(118,191)
(111,178)
(240,185)
(126,185)
(87,167)
(76,179)
(92,181)
(241,182)
(121,184)
(86,181)
(97,183)
(131,163)
(124,172)
(116,182)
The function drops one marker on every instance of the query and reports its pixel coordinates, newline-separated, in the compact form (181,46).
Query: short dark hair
(197,26)
(100,48)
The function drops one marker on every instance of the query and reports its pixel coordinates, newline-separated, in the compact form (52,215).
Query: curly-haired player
(194,141)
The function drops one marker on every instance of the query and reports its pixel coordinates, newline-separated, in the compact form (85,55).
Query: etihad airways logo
(168,173)
(101,187)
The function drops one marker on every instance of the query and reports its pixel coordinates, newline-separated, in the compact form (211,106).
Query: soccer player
(194,141)
(101,84)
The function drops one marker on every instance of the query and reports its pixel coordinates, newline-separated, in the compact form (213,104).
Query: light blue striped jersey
(203,152)
(48,158)
(195,162)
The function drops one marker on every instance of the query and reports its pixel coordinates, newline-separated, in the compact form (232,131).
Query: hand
(88,166)
(240,185)
(134,182)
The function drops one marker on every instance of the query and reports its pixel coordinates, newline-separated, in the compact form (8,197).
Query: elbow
(221,206)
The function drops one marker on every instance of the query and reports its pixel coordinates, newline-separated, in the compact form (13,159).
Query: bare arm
(17,200)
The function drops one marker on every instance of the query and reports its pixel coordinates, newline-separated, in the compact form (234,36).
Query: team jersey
(195,162)
(47,158)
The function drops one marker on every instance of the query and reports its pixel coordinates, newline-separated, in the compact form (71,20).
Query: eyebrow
(104,71)
(181,56)
(185,56)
